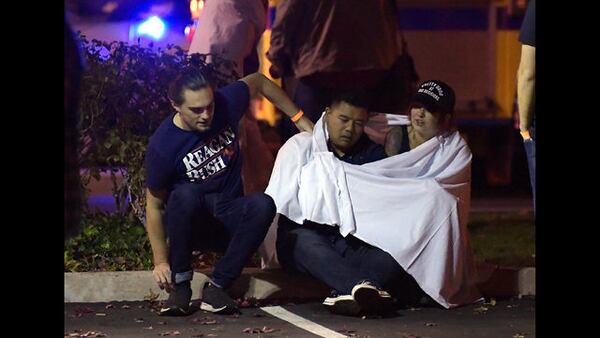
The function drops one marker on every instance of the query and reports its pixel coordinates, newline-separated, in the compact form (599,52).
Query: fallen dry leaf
(109,306)
(211,335)
(89,334)
(518,335)
(101,314)
(162,323)
(209,322)
(252,330)
(149,328)
(431,324)
(125,306)
(268,329)
(139,320)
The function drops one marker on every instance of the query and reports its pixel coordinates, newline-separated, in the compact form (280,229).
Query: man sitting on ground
(360,220)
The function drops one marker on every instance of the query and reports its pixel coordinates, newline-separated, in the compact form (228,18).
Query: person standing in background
(526,90)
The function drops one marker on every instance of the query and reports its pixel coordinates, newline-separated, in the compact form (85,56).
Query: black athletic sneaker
(370,298)
(216,300)
(178,303)
(342,304)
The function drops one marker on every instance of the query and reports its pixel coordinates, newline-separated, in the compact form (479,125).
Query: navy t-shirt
(210,158)
(527,34)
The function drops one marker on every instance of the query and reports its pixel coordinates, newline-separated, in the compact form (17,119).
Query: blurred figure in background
(526,90)
(231,29)
(332,45)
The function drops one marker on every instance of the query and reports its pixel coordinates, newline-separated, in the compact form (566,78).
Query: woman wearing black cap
(431,113)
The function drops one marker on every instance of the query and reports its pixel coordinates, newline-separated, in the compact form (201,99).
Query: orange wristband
(297,117)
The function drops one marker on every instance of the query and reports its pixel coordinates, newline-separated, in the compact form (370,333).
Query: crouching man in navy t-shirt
(194,188)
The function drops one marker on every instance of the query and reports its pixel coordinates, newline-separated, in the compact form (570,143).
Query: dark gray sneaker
(370,298)
(341,304)
(216,300)
(178,303)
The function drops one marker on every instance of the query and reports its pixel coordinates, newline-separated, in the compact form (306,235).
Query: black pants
(339,262)
(197,221)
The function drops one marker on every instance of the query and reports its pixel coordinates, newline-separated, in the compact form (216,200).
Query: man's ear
(176,107)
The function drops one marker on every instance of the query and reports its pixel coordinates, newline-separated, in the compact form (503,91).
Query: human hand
(525,134)
(162,276)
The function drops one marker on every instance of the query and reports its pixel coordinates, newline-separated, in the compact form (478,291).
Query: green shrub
(111,242)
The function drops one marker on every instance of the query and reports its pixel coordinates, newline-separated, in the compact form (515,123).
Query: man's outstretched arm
(260,84)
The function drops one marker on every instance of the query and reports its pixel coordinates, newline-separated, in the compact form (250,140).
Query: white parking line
(302,323)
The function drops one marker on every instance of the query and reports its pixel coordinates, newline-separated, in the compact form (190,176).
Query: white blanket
(414,205)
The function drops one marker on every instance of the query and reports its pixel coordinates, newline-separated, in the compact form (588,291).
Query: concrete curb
(527,282)
(94,287)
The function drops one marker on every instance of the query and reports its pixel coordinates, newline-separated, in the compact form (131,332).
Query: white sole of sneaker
(330,301)
(343,305)
(207,307)
(173,311)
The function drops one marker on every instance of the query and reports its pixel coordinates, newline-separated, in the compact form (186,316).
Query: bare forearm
(259,84)
(156,234)
(526,87)
(526,103)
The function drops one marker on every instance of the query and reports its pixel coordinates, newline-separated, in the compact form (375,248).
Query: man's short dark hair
(357,98)
(189,78)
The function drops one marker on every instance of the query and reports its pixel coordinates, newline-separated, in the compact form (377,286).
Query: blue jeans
(341,263)
(530,151)
(200,221)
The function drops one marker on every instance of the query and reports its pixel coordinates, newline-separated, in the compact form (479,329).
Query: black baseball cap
(435,96)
